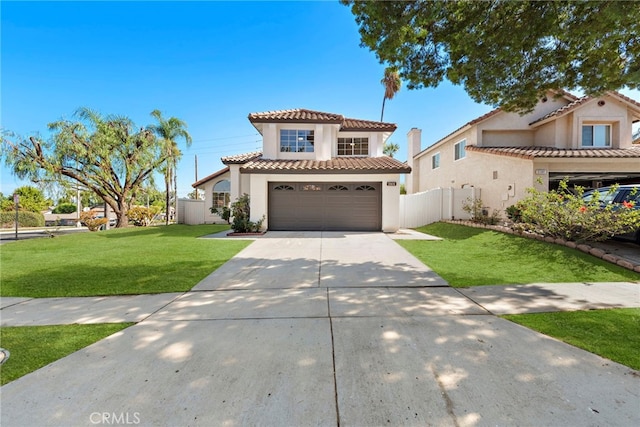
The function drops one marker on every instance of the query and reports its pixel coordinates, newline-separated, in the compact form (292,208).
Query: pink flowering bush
(571,216)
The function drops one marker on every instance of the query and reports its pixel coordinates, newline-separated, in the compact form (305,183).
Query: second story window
(296,141)
(353,146)
(460,151)
(435,161)
(596,136)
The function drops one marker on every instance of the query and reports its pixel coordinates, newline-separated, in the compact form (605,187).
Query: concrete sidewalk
(339,349)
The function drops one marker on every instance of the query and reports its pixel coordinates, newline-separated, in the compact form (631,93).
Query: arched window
(221,196)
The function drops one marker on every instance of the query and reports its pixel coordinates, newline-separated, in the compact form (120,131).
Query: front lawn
(33,347)
(613,333)
(114,262)
(471,256)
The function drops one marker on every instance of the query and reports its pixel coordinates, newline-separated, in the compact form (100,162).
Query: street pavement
(339,329)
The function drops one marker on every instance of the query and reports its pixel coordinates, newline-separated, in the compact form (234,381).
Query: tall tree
(170,131)
(390,148)
(32,199)
(391,82)
(107,154)
(506,53)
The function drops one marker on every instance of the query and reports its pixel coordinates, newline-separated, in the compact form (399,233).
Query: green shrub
(513,213)
(25,219)
(224,212)
(64,208)
(141,216)
(479,213)
(566,215)
(241,216)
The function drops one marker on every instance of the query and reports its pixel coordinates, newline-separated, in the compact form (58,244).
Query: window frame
(363,140)
(457,153)
(435,160)
(223,196)
(593,126)
(301,145)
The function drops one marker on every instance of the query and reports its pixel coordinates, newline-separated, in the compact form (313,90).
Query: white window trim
(593,124)
(465,150)
(352,138)
(296,128)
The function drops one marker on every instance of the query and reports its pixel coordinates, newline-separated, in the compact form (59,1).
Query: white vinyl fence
(435,205)
(191,211)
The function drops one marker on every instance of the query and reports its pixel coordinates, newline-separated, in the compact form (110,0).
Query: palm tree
(390,148)
(169,131)
(391,82)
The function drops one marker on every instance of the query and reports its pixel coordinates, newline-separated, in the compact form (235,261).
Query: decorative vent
(283,188)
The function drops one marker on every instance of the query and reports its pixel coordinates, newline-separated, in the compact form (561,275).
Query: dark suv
(623,193)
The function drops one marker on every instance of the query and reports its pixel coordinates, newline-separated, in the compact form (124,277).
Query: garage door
(325,206)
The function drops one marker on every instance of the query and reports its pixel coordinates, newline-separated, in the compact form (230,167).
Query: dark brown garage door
(325,206)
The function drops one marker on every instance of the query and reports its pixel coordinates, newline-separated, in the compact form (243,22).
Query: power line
(226,137)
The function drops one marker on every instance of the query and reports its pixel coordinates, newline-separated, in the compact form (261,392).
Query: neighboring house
(316,171)
(587,140)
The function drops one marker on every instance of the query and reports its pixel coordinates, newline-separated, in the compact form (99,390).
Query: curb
(592,250)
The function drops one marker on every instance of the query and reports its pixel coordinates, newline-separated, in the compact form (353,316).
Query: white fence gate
(435,205)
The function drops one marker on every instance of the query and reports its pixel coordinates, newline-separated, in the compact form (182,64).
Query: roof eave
(325,171)
(210,177)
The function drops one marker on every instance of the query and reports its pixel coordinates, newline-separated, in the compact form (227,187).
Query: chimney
(414,137)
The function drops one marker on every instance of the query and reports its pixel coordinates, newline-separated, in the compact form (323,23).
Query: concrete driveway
(325,329)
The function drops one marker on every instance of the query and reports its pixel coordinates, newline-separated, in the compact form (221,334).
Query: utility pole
(196,175)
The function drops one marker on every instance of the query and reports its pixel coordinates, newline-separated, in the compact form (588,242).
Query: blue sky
(207,63)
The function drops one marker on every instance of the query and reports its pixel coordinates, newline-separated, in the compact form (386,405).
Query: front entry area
(325,206)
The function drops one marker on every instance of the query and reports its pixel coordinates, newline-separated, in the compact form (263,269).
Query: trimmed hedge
(64,208)
(25,219)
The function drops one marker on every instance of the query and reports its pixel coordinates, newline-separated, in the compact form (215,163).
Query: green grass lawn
(33,347)
(613,333)
(114,262)
(471,256)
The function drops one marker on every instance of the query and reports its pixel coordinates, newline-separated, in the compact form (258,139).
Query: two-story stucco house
(587,140)
(316,171)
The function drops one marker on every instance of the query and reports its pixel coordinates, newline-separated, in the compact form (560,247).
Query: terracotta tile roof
(210,177)
(581,101)
(626,98)
(564,109)
(295,115)
(357,124)
(471,123)
(239,159)
(552,152)
(561,93)
(346,165)
(301,115)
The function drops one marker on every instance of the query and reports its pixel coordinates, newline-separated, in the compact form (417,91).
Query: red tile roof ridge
(383,164)
(301,115)
(580,101)
(241,158)
(531,152)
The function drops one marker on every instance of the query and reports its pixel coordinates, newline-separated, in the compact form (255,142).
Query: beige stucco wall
(390,194)
(512,176)
(325,138)
(207,188)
